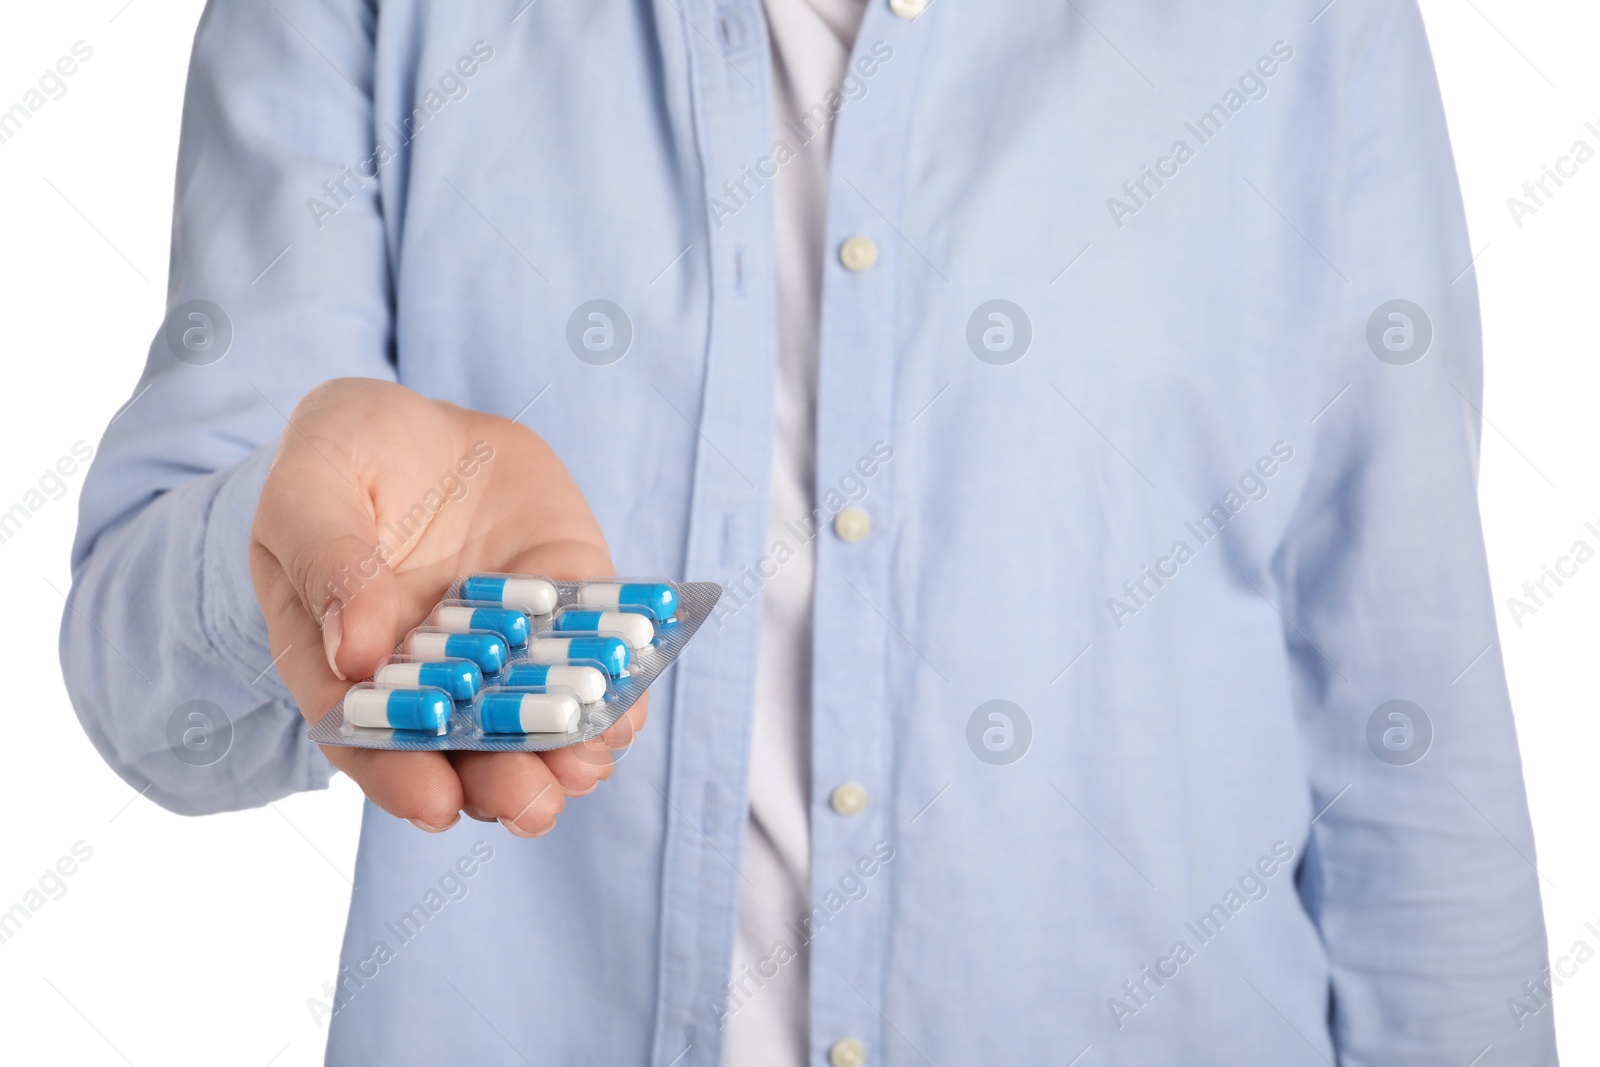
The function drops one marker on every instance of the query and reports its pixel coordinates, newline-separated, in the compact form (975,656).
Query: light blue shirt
(1198,502)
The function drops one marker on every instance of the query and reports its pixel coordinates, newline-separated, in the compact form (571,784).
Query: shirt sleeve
(1419,868)
(279,281)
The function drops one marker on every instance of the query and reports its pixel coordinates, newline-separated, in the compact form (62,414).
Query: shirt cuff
(229,610)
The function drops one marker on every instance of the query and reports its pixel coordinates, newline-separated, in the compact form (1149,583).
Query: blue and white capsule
(427,710)
(527,711)
(484,647)
(536,596)
(633,627)
(461,678)
(610,652)
(659,599)
(588,682)
(463,616)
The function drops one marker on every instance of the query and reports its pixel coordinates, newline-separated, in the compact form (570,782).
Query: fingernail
(518,832)
(427,828)
(479,814)
(332,634)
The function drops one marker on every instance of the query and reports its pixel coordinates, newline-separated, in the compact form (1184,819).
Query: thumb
(349,589)
(322,533)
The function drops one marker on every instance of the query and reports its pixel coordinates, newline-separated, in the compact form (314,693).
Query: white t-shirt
(811,42)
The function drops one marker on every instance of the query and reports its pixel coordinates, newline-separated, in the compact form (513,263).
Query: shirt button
(849,799)
(848,1053)
(908,9)
(858,253)
(852,524)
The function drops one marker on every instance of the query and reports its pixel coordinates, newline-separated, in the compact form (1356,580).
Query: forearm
(163,610)
(1419,865)
(162,613)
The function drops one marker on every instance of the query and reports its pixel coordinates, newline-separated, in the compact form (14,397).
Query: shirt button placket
(852,788)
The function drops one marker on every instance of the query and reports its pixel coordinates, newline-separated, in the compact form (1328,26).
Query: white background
(200,940)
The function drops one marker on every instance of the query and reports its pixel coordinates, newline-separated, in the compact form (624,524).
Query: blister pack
(520,663)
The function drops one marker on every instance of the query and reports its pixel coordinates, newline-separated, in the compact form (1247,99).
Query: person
(1079,406)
